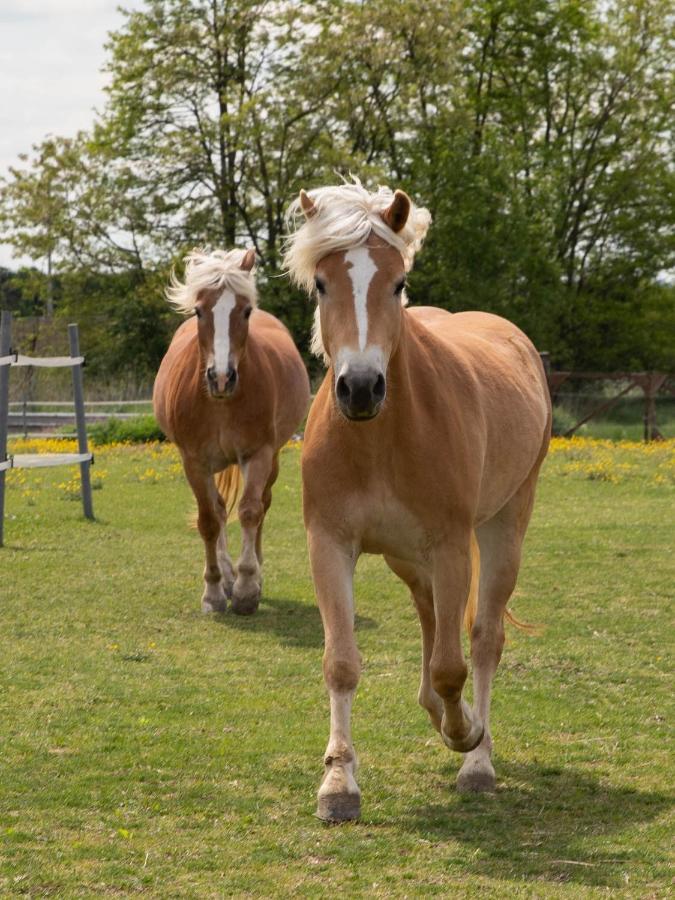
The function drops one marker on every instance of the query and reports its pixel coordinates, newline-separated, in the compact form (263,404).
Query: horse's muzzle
(221,385)
(360,394)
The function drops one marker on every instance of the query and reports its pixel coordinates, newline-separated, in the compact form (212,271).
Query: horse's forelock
(214,270)
(344,217)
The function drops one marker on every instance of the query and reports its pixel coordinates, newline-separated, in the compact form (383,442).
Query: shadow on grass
(297,624)
(545,823)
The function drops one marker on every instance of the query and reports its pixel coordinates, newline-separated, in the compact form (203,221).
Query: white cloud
(51,55)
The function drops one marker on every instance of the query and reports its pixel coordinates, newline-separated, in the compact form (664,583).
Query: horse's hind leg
(461,726)
(267,502)
(224,560)
(248,583)
(210,524)
(421,592)
(500,541)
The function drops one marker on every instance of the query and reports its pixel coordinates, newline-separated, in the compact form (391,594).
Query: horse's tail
(472,602)
(230,484)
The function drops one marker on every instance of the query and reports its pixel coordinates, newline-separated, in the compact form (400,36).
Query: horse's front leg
(339,798)
(461,727)
(252,507)
(210,521)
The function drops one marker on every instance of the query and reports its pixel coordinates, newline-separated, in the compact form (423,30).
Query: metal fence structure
(9,360)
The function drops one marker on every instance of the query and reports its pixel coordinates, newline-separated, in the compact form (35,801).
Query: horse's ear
(396,214)
(248,261)
(307,205)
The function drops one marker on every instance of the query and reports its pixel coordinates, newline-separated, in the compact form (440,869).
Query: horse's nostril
(211,373)
(232,375)
(379,387)
(342,389)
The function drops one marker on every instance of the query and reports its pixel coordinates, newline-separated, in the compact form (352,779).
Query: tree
(546,166)
(536,133)
(208,109)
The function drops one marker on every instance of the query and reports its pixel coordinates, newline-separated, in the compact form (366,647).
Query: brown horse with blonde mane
(423,444)
(229,393)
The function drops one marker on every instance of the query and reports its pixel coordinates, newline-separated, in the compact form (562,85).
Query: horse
(423,444)
(230,392)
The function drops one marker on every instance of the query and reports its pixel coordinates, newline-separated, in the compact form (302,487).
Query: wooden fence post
(651,384)
(78,390)
(5,346)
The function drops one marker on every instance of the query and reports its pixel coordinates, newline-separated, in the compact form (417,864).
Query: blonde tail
(230,484)
(524,626)
(472,602)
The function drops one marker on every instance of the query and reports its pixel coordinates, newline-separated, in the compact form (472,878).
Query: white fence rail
(33,418)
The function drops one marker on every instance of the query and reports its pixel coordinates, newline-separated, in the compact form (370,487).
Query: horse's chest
(387,526)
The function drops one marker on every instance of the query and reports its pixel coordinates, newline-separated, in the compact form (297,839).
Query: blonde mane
(219,269)
(345,216)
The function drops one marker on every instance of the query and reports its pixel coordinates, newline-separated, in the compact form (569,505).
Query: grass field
(147,749)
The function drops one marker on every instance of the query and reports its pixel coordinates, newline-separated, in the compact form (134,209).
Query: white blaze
(361,271)
(221,324)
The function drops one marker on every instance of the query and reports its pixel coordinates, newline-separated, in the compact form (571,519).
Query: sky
(51,55)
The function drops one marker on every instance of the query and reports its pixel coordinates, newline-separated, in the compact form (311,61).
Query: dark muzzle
(221,385)
(360,394)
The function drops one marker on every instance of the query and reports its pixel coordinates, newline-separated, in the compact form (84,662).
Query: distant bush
(139,430)
(563,420)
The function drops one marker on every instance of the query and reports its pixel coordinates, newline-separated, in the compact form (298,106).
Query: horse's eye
(399,287)
(320,286)
(247,312)
(198,312)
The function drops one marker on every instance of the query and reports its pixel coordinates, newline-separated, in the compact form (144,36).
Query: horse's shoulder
(266,321)
(268,330)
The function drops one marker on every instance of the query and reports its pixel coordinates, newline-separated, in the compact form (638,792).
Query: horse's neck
(405,359)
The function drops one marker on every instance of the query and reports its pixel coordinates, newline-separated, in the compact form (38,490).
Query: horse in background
(230,392)
(423,444)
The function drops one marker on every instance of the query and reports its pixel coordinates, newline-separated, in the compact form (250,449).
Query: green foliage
(139,430)
(126,324)
(149,750)
(537,134)
(22,291)
(563,420)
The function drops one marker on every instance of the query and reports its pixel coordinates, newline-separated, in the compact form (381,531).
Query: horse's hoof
(245,604)
(476,780)
(339,807)
(339,797)
(214,604)
(472,738)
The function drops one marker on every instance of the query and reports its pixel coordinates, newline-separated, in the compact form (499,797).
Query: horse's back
(486,345)
(471,329)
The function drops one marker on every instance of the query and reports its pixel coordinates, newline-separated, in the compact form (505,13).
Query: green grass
(608,429)
(147,749)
